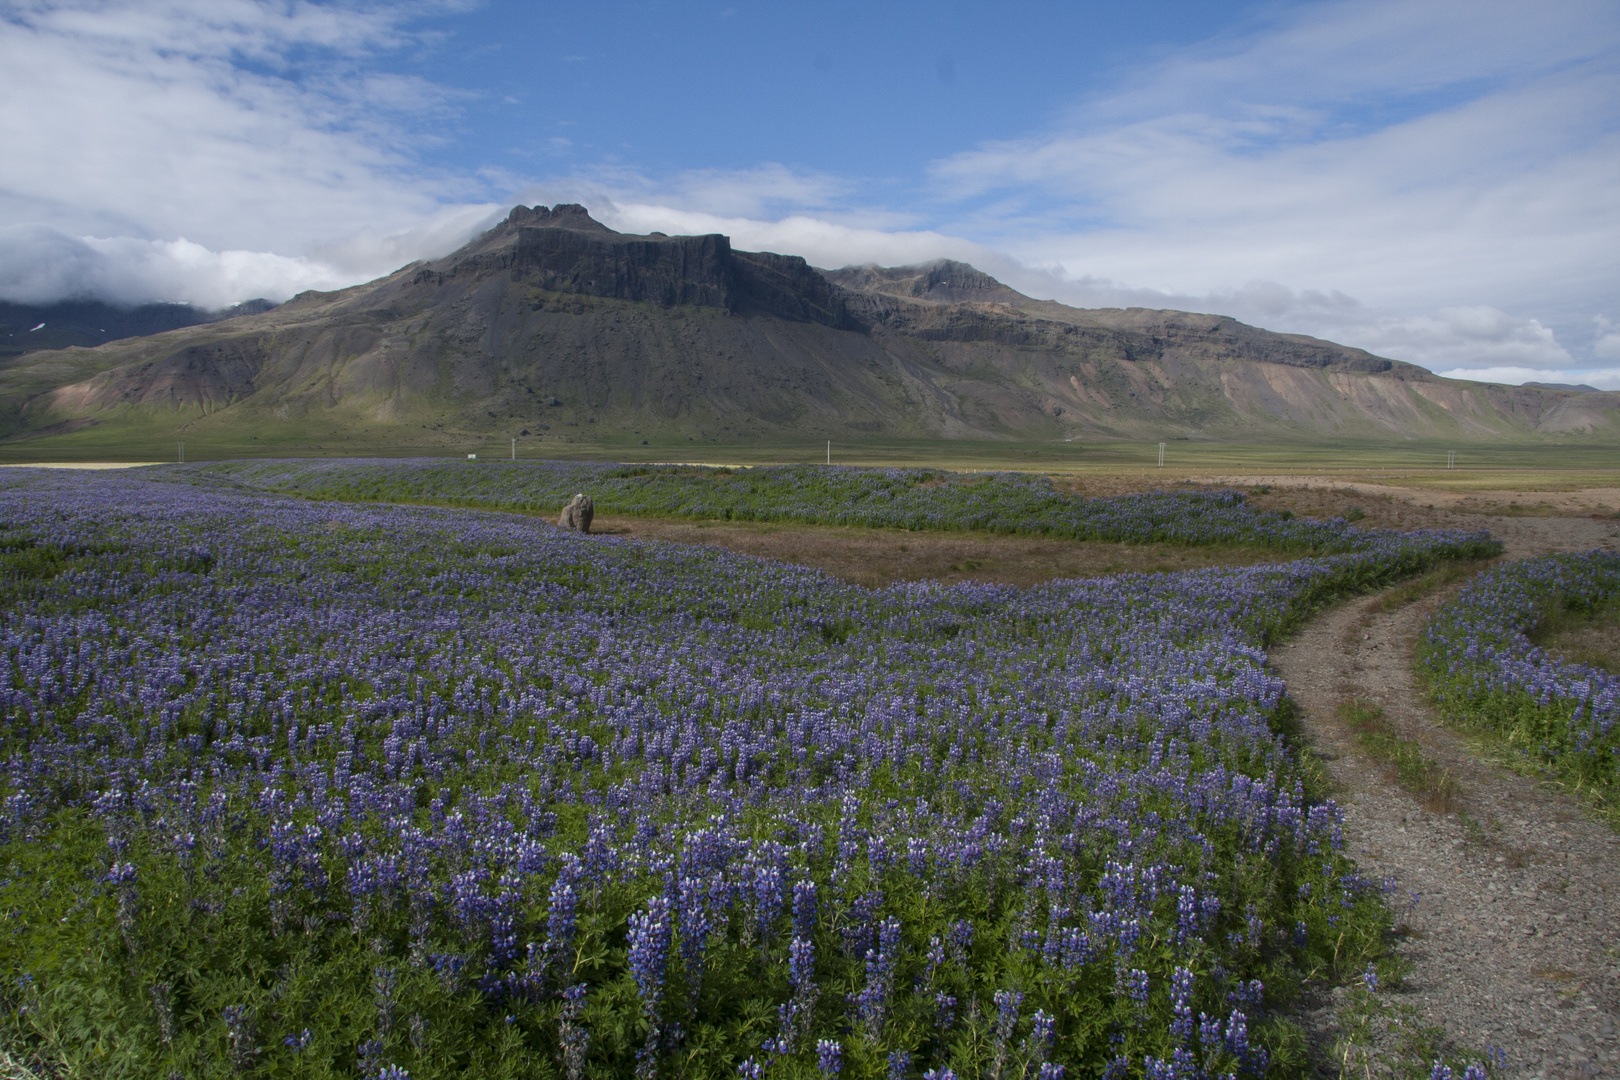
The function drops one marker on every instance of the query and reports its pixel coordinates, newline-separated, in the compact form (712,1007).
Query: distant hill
(553,326)
(1581,387)
(36,327)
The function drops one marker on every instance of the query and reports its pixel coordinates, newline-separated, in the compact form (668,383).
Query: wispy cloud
(211,144)
(1453,167)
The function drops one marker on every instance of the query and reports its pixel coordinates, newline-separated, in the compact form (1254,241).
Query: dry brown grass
(1593,639)
(876,557)
(1379,509)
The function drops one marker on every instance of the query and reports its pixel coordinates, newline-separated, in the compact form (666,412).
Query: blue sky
(1434,181)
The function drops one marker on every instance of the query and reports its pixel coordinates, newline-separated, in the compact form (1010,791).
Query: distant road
(76,464)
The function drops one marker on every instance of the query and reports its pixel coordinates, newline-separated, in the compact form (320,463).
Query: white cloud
(1419,157)
(753,196)
(1607,346)
(253,128)
(822,243)
(370,252)
(39,265)
(1187,206)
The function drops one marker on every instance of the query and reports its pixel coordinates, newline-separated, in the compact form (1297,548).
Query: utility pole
(1161,455)
(514,449)
(829,451)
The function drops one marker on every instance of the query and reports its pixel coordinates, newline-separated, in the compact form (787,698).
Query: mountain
(555,326)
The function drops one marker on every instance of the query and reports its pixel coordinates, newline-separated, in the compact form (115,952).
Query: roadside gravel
(1512,900)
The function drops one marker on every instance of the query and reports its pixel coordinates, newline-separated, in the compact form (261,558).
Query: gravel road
(1515,930)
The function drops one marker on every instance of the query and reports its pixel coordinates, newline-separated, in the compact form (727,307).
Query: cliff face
(554,325)
(563,250)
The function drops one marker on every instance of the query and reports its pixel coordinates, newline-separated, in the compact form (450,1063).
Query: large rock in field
(577,514)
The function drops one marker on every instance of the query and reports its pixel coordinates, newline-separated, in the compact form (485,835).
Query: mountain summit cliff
(554,326)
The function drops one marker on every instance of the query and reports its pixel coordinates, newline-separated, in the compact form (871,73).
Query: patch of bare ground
(876,557)
(1592,639)
(1507,893)
(1369,505)
(1399,506)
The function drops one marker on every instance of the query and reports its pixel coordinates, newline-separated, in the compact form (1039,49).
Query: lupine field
(1486,673)
(311,788)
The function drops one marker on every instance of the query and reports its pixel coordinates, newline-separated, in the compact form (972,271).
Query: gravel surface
(1514,938)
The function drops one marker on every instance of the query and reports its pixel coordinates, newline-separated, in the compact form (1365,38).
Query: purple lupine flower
(241,1041)
(572,1036)
(872,1002)
(804,909)
(829,1057)
(649,951)
(697,923)
(1042,1029)
(1237,1034)
(1007,1004)
(794,1016)
(560,922)
(1181,987)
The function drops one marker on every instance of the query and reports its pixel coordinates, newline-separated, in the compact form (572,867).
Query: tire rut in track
(1516,925)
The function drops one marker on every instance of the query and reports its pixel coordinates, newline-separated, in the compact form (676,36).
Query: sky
(1435,181)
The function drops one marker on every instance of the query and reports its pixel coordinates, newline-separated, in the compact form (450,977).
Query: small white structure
(472,457)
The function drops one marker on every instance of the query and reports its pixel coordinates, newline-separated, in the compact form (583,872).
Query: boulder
(577,514)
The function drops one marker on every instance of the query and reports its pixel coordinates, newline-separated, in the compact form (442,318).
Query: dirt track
(1515,939)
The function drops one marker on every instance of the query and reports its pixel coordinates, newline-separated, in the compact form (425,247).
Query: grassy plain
(1529,467)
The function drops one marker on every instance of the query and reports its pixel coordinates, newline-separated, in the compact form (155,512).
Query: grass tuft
(1427,584)
(1409,768)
